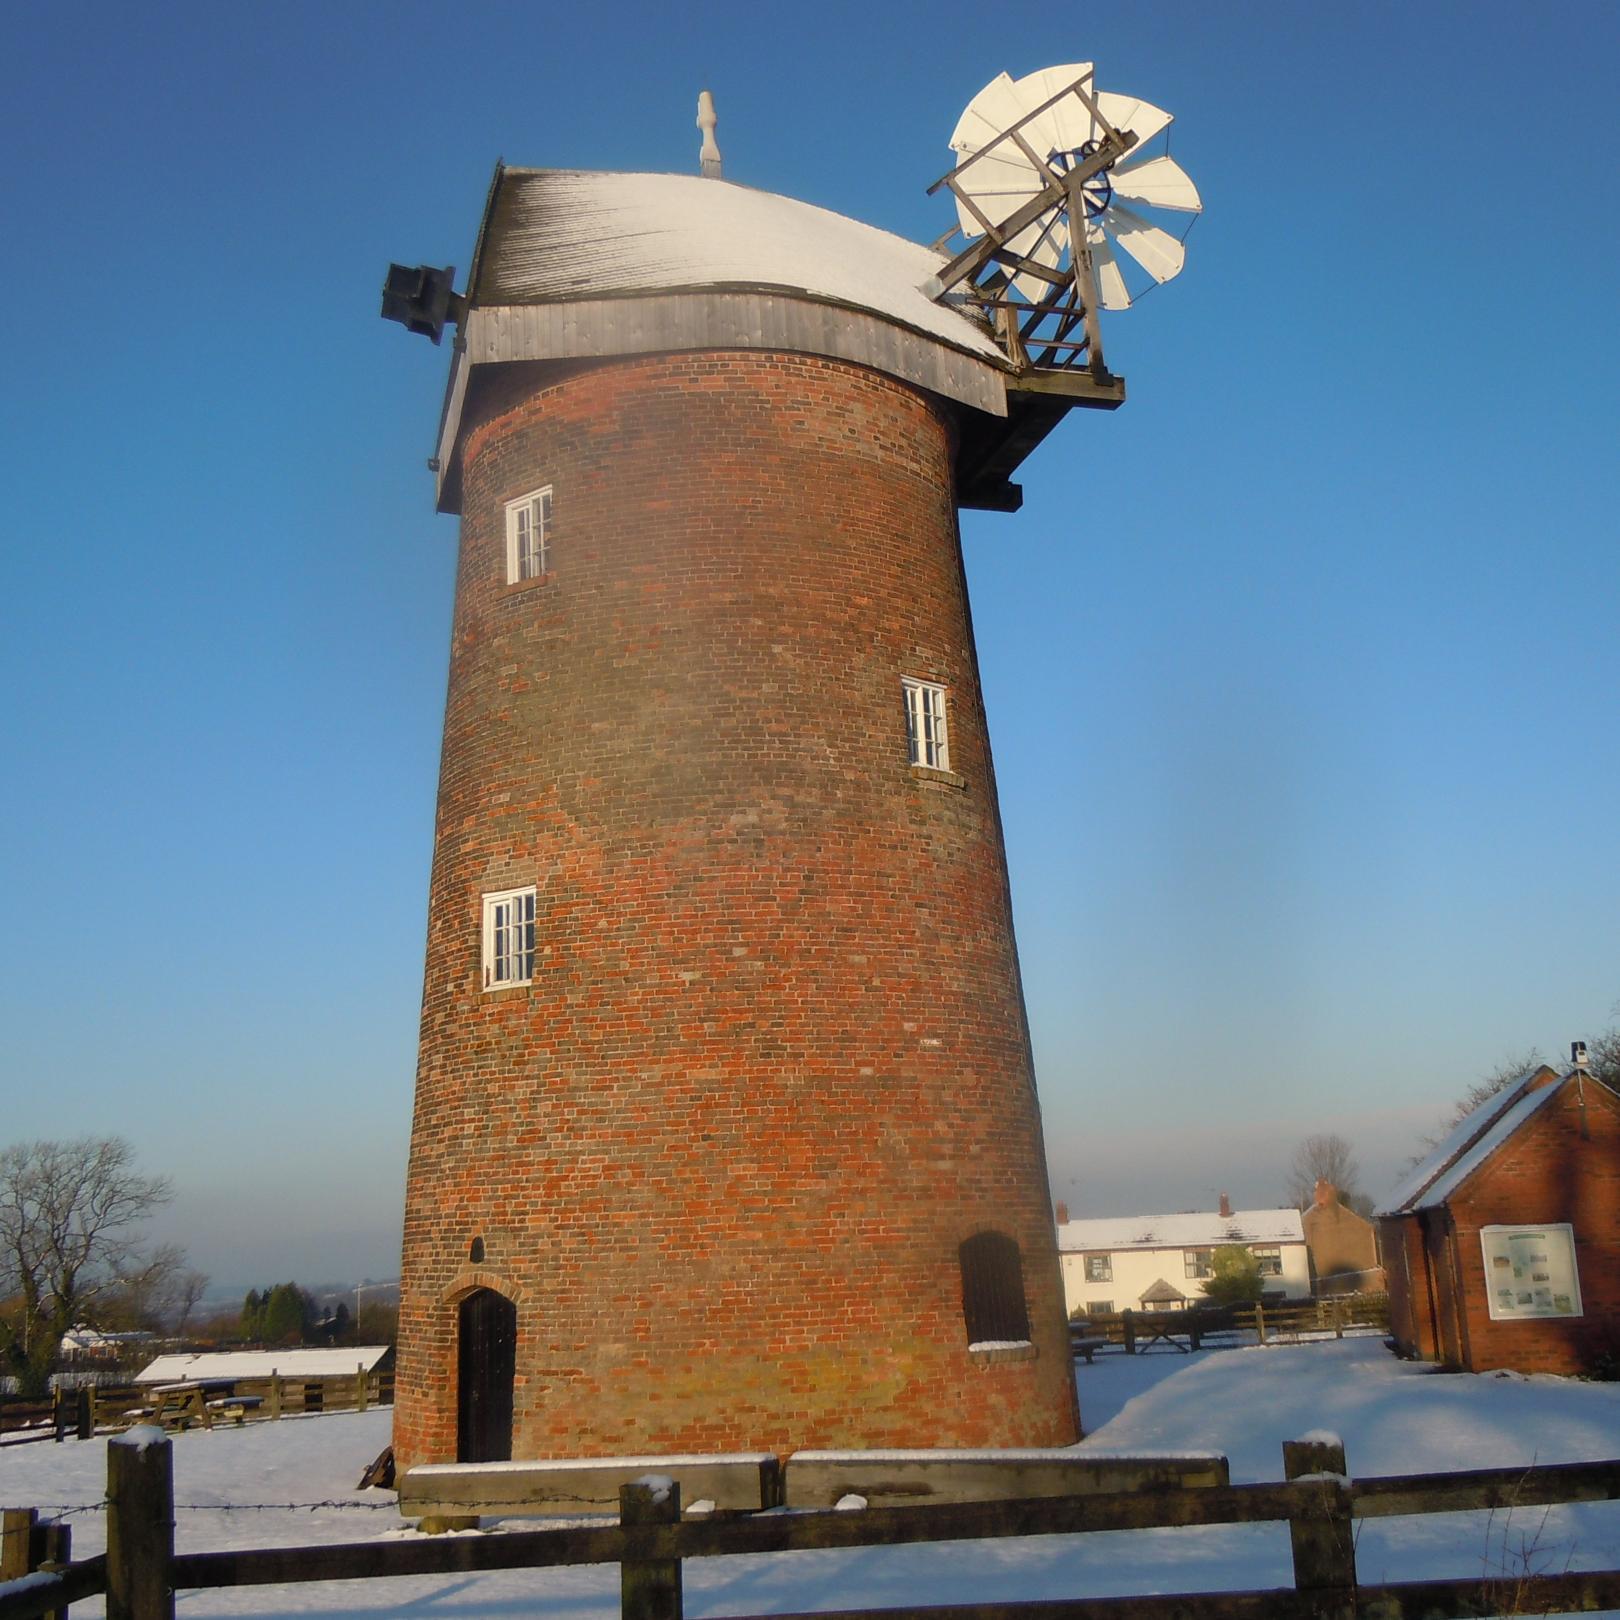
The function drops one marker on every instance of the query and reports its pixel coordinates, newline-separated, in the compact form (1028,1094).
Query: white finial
(707,119)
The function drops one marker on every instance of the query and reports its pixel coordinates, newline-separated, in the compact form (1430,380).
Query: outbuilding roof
(1188,1231)
(321,1363)
(555,235)
(1477,1136)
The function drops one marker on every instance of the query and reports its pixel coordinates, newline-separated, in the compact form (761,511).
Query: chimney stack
(1063,1214)
(1226,1207)
(1577,1054)
(1326,1192)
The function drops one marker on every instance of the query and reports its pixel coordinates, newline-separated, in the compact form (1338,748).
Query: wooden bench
(1086,1347)
(456,1495)
(817,1479)
(234,1407)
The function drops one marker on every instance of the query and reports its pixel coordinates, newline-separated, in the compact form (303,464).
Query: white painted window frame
(528,536)
(1099,1268)
(928,735)
(508,964)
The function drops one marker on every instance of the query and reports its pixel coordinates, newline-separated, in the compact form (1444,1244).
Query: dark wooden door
(487,1360)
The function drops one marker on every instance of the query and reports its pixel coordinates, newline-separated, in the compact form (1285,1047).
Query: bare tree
(1326,1158)
(69,1243)
(1605,1057)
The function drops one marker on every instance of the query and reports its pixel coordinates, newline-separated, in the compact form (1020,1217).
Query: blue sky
(1301,668)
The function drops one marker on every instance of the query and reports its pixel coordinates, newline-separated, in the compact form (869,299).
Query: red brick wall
(773,1066)
(1562,1165)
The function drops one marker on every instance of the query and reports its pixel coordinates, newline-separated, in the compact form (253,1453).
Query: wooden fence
(88,1410)
(1285,1320)
(141,1572)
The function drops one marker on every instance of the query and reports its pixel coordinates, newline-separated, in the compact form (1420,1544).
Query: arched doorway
(488,1357)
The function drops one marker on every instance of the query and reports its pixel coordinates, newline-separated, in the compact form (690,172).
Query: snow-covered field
(292,1483)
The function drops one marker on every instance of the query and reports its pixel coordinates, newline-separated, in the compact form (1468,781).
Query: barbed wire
(484,1507)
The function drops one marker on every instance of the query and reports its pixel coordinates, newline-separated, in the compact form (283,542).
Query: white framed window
(508,938)
(528,536)
(1268,1259)
(1199,1262)
(926,734)
(1099,1268)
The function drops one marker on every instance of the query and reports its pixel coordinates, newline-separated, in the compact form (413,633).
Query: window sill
(987,1355)
(516,989)
(516,587)
(938,778)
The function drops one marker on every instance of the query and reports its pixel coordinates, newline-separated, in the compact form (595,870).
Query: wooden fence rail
(1286,1319)
(89,1409)
(1318,1502)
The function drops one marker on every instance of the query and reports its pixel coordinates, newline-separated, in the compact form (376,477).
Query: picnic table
(200,1401)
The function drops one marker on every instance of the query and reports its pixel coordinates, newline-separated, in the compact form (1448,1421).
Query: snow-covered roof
(1193,1231)
(1456,1140)
(1475,1138)
(568,234)
(334,1363)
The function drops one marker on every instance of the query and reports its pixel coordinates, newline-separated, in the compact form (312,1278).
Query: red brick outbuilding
(1503,1247)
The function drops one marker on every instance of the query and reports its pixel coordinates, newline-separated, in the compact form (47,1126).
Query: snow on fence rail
(141,1572)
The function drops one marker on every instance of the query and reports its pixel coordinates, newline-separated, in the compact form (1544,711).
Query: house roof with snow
(1198,1230)
(1477,1136)
(322,1363)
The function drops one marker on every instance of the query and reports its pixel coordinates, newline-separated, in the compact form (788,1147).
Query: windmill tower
(726,1133)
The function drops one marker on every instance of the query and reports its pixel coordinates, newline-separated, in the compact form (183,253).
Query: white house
(1159,1262)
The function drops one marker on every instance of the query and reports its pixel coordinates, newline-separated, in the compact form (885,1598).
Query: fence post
(360,1387)
(59,1421)
(16,1528)
(1130,1333)
(275,1393)
(1321,1529)
(140,1525)
(649,1589)
(51,1547)
(85,1416)
(1260,1320)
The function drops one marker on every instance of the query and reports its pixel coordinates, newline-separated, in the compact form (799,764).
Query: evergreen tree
(1236,1278)
(286,1315)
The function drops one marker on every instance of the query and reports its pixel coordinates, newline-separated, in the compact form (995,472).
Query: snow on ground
(292,1482)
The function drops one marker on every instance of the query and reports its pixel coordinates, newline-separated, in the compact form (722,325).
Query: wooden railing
(84,1411)
(1320,1505)
(1282,1320)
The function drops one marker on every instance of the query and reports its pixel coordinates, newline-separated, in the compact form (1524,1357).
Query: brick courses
(773,1067)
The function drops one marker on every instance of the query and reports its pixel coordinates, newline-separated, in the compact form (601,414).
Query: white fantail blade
(1046,242)
(1001,104)
(1141,118)
(1161,182)
(1158,252)
(1112,293)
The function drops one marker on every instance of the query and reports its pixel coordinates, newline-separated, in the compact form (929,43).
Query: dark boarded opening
(488,1358)
(993,1288)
